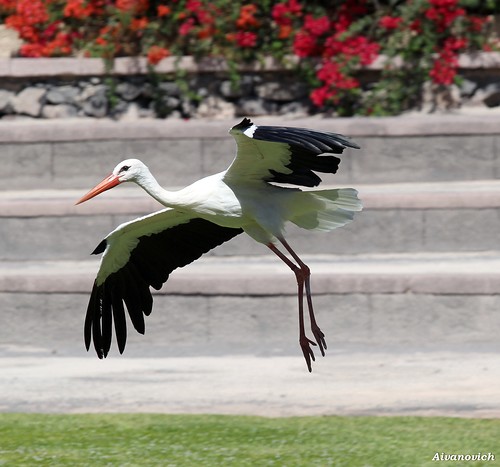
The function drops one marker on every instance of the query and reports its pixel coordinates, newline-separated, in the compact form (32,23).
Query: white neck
(149,184)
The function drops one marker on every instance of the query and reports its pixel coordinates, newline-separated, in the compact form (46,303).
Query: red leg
(318,334)
(305,343)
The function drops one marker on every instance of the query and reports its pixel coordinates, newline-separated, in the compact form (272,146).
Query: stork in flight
(244,198)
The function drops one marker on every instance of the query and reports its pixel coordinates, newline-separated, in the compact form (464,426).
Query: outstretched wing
(137,255)
(284,154)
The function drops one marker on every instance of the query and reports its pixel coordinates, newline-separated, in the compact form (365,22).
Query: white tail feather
(326,210)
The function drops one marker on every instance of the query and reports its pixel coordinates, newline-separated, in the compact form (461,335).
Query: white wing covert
(284,154)
(138,255)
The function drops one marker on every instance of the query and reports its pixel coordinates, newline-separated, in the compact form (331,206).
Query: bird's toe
(305,345)
(320,339)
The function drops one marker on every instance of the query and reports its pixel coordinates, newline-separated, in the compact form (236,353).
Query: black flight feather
(150,264)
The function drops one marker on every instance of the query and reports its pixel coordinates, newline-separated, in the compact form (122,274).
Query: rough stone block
(29,101)
(201,325)
(81,164)
(371,231)
(47,322)
(374,231)
(84,163)
(424,158)
(435,320)
(95,101)
(52,238)
(25,165)
(461,229)
(5,100)
(217,154)
(278,91)
(128,91)
(59,111)
(174,162)
(65,94)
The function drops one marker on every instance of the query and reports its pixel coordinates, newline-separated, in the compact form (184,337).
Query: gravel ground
(345,382)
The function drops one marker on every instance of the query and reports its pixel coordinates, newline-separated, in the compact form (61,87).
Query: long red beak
(108,183)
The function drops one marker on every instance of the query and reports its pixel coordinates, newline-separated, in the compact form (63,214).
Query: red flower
(317,27)
(443,13)
(186,27)
(285,31)
(320,95)
(246,39)
(32,11)
(280,14)
(357,46)
(443,73)
(416,26)
(390,22)
(445,66)
(156,54)
(247,18)
(331,74)
(283,13)
(193,5)
(444,3)
(455,43)
(32,50)
(163,10)
(80,9)
(305,45)
(206,32)
(348,12)
(60,45)
(8,5)
(139,24)
(132,6)
(101,41)
(477,23)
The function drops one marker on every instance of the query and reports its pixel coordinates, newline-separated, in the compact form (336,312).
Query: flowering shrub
(332,40)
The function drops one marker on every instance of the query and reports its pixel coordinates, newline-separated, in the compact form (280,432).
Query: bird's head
(129,170)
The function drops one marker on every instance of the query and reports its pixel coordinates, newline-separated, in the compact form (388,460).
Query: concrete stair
(397,218)
(248,305)
(420,266)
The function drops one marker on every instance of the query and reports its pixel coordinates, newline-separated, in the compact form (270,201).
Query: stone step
(412,217)
(78,153)
(241,304)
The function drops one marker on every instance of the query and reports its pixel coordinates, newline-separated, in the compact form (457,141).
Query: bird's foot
(320,338)
(307,351)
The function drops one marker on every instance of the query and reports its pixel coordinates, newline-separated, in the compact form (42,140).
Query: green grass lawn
(206,440)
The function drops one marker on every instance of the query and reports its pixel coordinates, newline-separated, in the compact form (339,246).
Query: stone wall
(73,88)
(137,96)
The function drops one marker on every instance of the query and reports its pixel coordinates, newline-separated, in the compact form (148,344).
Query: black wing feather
(132,300)
(120,321)
(107,322)
(305,147)
(314,141)
(150,264)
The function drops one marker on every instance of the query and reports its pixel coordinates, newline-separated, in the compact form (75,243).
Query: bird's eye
(124,168)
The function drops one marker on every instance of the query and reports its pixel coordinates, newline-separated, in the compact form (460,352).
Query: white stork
(244,198)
